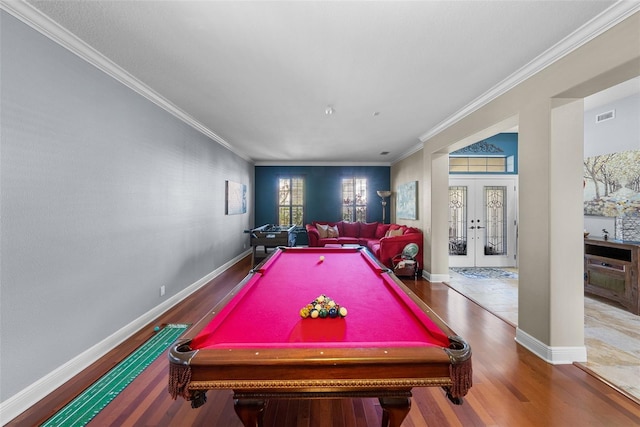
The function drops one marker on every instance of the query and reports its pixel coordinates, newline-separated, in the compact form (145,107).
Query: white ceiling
(259,75)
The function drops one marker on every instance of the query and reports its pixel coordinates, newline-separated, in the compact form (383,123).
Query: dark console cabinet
(611,271)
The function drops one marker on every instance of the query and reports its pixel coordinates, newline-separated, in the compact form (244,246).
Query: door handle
(479,227)
(472,228)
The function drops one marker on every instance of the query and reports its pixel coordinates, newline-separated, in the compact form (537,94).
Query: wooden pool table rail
(258,374)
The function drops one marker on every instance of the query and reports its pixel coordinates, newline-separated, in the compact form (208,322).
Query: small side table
(405,267)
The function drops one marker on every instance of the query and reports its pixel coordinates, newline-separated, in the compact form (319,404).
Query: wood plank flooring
(611,332)
(512,387)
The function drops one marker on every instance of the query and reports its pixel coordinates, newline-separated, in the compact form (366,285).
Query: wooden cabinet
(611,271)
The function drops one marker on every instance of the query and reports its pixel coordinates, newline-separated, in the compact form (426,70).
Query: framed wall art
(406,200)
(612,184)
(235,198)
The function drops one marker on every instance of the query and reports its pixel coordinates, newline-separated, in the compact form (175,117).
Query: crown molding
(615,14)
(296,163)
(411,151)
(52,30)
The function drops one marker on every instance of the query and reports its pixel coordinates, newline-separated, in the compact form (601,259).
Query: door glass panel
(495,242)
(458,220)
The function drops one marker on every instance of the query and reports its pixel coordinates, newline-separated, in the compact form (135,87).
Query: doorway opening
(483,221)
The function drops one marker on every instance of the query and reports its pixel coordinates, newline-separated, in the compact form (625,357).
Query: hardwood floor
(611,332)
(512,387)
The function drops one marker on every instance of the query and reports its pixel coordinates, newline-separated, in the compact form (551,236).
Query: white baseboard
(435,278)
(24,399)
(553,355)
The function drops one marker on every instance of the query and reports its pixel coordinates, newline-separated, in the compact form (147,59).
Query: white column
(567,219)
(437,182)
(551,295)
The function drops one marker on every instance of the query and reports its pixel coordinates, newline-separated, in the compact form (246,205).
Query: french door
(482,221)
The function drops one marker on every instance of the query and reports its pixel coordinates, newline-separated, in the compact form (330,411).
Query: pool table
(256,342)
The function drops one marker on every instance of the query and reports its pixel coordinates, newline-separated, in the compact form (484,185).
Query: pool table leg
(250,411)
(394,410)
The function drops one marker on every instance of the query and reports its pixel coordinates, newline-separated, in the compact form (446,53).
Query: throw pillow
(393,233)
(332,231)
(368,229)
(381,231)
(351,229)
(323,230)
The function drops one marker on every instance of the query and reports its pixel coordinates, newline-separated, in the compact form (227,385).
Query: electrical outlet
(162,290)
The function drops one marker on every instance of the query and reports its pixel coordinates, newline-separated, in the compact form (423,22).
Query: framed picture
(612,184)
(406,200)
(235,198)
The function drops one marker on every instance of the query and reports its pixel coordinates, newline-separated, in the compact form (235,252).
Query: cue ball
(321,257)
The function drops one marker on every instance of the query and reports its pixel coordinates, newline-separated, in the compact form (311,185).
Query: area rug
(485,272)
(86,406)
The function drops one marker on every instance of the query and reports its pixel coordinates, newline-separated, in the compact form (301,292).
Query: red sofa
(385,241)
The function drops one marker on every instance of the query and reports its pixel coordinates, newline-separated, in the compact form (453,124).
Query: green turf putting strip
(90,402)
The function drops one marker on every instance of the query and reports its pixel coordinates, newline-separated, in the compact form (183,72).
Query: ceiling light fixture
(329,110)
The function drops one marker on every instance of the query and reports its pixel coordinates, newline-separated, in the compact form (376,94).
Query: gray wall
(611,136)
(104,198)
(616,135)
